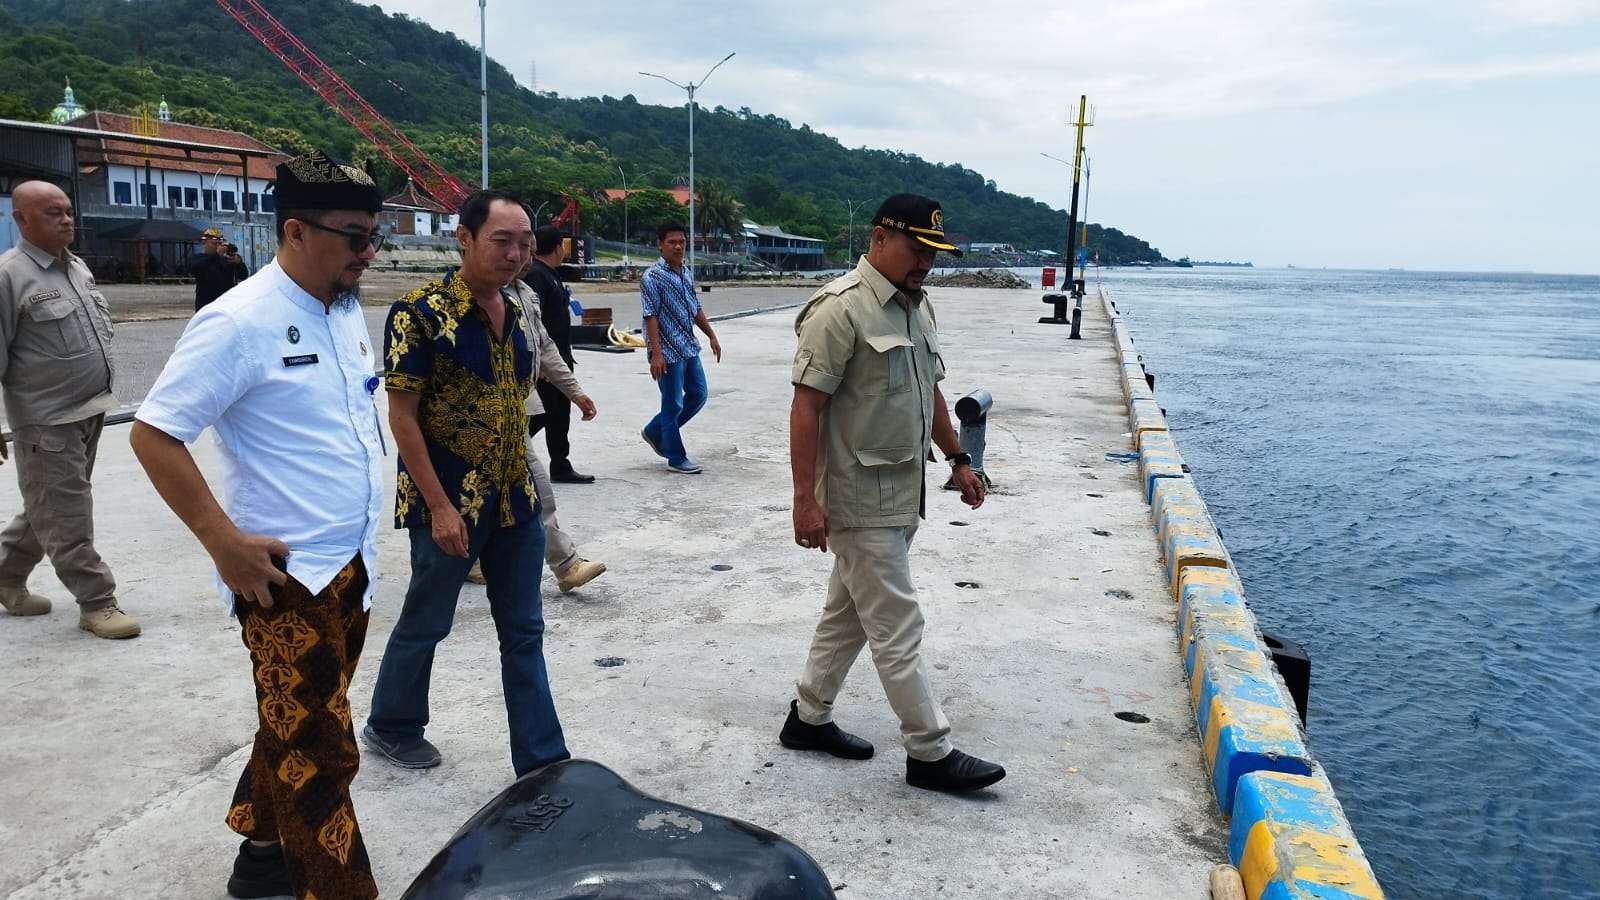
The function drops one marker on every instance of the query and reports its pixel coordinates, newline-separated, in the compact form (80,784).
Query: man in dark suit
(545,280)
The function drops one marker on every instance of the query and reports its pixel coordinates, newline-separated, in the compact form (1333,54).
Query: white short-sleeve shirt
(288,386)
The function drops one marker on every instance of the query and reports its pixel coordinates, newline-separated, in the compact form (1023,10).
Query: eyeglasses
(359,240)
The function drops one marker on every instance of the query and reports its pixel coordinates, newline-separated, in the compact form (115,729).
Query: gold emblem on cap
(319,169)
(938,219)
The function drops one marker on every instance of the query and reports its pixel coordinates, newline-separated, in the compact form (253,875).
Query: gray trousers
(872,602)
(54,466)
(559,550)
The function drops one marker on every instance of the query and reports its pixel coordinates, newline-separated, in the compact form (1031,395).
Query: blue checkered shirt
(669,297)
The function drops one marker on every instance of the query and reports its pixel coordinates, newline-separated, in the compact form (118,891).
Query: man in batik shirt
(458,369)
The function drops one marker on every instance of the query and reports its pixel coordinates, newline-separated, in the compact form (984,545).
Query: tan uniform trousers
(871,601)
(54,465)
(559,550)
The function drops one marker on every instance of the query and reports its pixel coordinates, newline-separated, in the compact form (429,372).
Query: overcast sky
(1444,134)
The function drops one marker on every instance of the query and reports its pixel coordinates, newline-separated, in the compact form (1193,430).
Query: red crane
(281,42)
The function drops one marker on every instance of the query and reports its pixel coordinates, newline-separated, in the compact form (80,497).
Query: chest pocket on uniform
(60,328)
(891,372)
(934,356)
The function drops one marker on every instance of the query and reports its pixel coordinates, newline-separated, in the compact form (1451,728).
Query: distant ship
(1184,263)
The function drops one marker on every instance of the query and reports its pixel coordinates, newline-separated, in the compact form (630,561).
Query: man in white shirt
(281,368)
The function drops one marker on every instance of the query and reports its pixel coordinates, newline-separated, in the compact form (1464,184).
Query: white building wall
(161,179)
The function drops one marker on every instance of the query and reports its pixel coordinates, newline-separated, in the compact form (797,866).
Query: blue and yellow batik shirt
(437,343)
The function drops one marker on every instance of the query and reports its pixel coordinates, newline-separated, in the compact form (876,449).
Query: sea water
(1406,468)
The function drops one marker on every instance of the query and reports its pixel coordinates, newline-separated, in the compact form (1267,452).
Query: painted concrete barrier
(1290,840)
(1134,384)
(1184,530)
(1143,416)
(1158,458)
(1289,837)
(1211,601)
(1244,723)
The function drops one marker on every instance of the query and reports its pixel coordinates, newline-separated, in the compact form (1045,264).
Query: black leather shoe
(259,872)
(568,475)
(956,773)
(829,738)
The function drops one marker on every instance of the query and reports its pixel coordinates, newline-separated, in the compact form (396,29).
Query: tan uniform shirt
(55,339)
(552,367)
(876,351)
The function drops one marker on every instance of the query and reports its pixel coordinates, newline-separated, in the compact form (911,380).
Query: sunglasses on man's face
(359,240)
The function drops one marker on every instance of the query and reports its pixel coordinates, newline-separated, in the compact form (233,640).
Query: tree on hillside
(717,210)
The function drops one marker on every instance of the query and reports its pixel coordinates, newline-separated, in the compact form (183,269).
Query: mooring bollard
(1060,303)
(973,412)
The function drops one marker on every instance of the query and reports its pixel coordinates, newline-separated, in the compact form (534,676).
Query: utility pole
(850,235)
(483,84)
(1083,120)
(690,88)
(1060,302)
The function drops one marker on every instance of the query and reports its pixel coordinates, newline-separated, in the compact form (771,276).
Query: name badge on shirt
(308,359)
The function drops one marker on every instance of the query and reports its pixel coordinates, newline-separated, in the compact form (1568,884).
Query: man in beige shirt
(55,374)
(867,410)
(560,551)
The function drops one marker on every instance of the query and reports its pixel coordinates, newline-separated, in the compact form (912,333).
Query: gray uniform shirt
(55,339)
(552,367)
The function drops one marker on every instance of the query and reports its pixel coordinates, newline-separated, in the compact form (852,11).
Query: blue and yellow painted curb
(1158,458)
(1290,840)
(1144,416)
(1289,837)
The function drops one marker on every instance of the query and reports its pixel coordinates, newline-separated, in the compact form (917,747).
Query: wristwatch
(960,459)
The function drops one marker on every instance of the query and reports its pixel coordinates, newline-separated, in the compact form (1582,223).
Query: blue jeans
(683,394)
(513,560)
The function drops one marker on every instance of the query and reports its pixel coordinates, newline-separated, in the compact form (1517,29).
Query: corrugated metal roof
(35,152)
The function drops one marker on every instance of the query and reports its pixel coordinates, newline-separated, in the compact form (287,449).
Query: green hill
(121,54)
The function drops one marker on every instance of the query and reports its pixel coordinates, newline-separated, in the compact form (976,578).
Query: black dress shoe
(956,773)
(568,475)
(829,738)
(259,872)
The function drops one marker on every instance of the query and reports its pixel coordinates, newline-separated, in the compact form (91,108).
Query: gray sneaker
(417,754)
(654,445)
(687,467)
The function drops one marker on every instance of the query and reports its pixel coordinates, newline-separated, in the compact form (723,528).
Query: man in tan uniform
(866,406)
(55,373)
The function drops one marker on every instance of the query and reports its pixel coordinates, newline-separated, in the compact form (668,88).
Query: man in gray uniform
(55,372)
(560,552)
(866,405)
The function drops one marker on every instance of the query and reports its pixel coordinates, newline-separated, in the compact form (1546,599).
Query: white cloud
(989,85)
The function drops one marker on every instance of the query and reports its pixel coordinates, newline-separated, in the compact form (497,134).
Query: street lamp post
(850,235)
(538,211)
(483,84)
(625,260)
(690,89)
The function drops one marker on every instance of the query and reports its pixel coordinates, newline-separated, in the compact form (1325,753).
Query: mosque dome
(68,109)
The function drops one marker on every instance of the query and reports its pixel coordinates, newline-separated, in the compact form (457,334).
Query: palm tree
(718,210)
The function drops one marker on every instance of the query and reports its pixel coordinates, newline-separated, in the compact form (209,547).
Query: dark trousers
(512,558)
(296,787)
(557,420)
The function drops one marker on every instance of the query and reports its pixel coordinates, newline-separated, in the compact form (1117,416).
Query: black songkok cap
(917,216)
(315,181)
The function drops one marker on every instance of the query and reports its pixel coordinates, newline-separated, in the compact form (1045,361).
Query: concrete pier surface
(121,757)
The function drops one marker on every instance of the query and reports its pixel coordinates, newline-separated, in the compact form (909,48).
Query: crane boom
(338,94)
